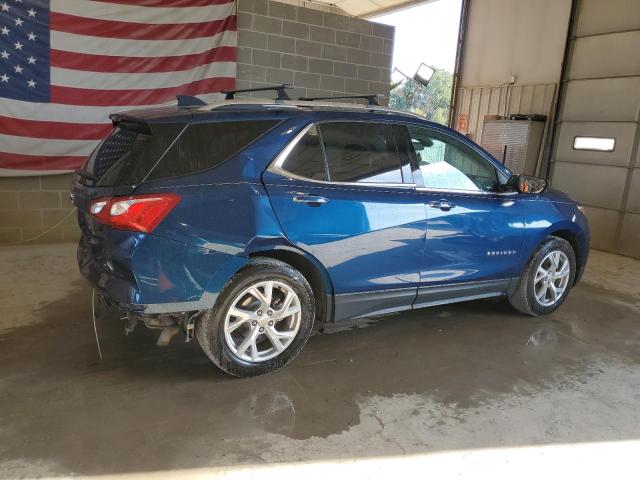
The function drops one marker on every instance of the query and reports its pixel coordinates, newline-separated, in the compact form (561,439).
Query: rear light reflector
(138,213)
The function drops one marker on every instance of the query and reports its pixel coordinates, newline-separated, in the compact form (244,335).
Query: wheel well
(319,281)
(570,237)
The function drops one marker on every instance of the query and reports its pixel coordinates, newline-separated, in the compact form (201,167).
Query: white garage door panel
(633,201)
(601,98)
(603,224)
(623,133)
(606,56)
(616,99)
(592,184)
(630,235)
(600,16)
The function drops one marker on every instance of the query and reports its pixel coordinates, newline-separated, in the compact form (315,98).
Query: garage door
(596,146)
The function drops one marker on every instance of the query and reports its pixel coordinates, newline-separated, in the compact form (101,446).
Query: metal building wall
(504,100)
(600,97)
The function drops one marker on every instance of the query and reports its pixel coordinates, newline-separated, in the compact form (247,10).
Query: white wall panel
(633,201)
(630,235)
(595,185)
(624,134)
(601,16)
(602,223)
(602,100)
(520,38)
(606,56)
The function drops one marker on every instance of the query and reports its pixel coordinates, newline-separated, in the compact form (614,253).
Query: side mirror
(529,184)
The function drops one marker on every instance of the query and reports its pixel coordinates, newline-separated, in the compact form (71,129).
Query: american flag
(65,65)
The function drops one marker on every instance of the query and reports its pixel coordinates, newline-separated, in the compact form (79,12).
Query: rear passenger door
(344,192)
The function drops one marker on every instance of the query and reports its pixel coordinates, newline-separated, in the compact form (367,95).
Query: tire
(224,349)
(524,299)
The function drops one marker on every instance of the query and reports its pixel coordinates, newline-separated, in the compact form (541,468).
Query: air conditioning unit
(515,142)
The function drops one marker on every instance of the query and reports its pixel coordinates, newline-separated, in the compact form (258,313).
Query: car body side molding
(460,292)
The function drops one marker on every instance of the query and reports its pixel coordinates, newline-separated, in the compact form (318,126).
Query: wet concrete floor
(474,375)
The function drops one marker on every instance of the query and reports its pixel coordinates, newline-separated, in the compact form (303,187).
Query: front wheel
(547,280)
(261,321)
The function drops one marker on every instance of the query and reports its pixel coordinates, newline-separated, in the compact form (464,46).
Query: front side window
(306,158)
(448,164)
(361,152)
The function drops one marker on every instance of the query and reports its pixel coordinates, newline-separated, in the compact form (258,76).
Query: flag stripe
(83,96)
(139,31)
(143,14)
(40,162)
(166,3)
(59,130)
(71,42)
(45,146)
(62,77)
(77,113)
(108,63)
(88,59)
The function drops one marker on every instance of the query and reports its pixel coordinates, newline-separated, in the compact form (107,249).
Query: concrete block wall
(320,53)
(29,206)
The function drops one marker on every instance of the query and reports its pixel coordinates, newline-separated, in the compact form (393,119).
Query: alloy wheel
(262,321)
(552,278)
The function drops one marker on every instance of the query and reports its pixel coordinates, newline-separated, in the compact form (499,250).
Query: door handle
(443,205)
(311,200)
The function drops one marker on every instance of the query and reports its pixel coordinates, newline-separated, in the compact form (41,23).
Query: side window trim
(416,175)
(325,161)
(454,141)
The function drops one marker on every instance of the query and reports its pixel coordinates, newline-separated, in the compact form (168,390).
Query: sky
(426,33)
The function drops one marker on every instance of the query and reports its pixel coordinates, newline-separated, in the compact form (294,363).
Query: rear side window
(205,145)
(128,153)
(306,158)
(361,152)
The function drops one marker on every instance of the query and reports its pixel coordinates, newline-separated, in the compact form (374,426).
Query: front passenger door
(475,232)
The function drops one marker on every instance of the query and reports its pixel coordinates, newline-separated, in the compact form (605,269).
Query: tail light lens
(139,213)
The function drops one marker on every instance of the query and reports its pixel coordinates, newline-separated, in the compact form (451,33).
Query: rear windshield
(128,153)
(205,145)
(134,150)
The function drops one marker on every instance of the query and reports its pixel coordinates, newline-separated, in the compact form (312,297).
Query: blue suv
(249,223)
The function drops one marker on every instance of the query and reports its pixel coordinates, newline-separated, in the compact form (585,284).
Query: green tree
(432,101)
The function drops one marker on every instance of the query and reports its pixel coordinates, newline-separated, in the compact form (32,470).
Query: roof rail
(372,98)
(189,101)
(280,89)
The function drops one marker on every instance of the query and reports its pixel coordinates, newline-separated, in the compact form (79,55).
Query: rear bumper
(117,290)
(148,274)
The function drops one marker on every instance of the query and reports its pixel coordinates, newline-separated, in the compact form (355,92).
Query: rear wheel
(547,280)
(261,320)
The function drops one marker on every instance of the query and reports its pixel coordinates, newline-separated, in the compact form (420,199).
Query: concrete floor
(447,379)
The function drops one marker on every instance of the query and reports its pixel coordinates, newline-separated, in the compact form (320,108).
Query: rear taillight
(139,213)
